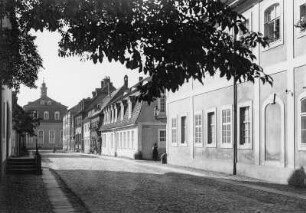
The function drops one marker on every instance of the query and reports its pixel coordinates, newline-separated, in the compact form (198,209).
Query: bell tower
(43,89)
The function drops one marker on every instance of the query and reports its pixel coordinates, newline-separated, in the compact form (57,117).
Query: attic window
(42,102)
(49,102)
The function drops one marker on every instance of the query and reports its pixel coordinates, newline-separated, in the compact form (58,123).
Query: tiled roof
(36,103)
(137,106)
(126,121)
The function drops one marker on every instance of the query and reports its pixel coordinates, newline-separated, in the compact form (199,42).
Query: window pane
(303,105)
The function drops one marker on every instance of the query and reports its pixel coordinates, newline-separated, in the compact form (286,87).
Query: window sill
(200,145)
(245,147)
(273,45)
(183,144)
(226,146)
(173,144)
(211,145)
(302,147)
(301,34)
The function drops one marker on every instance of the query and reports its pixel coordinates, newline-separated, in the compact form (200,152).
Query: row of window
(244,122)
(41,136)
(273,19)
(46,115)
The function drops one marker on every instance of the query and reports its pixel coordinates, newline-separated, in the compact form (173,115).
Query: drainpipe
(235,121)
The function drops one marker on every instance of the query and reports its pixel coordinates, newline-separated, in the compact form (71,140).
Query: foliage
(170,40)
(19,59)
(23,122)
(301,24)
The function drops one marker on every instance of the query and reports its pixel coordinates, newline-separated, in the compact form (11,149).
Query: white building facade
(271,120)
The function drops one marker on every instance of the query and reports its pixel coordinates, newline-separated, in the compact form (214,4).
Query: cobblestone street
(104,184)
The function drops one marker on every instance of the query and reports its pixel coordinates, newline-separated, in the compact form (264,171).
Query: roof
(37,103)
(136,108)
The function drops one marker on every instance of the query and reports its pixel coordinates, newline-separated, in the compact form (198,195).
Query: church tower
(43,90)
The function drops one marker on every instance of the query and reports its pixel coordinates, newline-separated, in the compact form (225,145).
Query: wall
(6,127)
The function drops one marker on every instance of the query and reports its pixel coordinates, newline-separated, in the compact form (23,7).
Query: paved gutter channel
(218,177)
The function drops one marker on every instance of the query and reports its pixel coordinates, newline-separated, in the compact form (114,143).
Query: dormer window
(122,110)
(272,22)
(129,109)
(49,103)
(42,102)
(56,115)
(46,115)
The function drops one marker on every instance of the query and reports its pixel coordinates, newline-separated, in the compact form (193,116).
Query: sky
(68,79)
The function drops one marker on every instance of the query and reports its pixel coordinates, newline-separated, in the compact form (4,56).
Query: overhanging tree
(170,40)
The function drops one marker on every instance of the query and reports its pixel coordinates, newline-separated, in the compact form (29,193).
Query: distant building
(130,128)
(91,120)
(69,130)
(50,131)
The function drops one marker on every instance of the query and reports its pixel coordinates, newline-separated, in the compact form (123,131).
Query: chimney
(126,81)
(93,94)
(108,89)
(140,79)
(102,84)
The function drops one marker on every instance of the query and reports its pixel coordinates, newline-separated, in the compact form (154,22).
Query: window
(303,123)
(128,139)
(162,104)
(303,13)
(40,137)
(51,137)
(226,127)
(42,102)
(211,128)
(46,115)
(301,18)
(133,146)
(198,129)
(161,137)
(3,119)
(124,140)
(272,22)
(61,135)
(173,130)
(245,125)
(56,115)
(120,140)
(49,103)
(183,130)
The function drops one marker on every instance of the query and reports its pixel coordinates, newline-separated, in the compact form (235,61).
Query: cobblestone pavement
(22,194)
(108,185)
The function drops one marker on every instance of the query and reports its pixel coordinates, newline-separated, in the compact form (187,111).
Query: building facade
(50,131)
(271,119)
(130,128)
(7,146)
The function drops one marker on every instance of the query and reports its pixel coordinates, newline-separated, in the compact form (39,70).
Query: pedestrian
(155,152)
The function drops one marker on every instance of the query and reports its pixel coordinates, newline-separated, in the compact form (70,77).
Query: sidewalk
(32,193)
(237,180)
(24,193)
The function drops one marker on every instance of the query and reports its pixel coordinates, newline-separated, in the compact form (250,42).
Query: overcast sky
(69,79)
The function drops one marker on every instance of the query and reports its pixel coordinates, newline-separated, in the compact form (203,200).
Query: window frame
(50,136)
(301,146)
(159,141)
(266,5)
(243,105)
(185,130)
(172,128)
(46,113)
(226,145)
(55,117)
(198,144)
(299,32)
(43,137)
(214,144)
